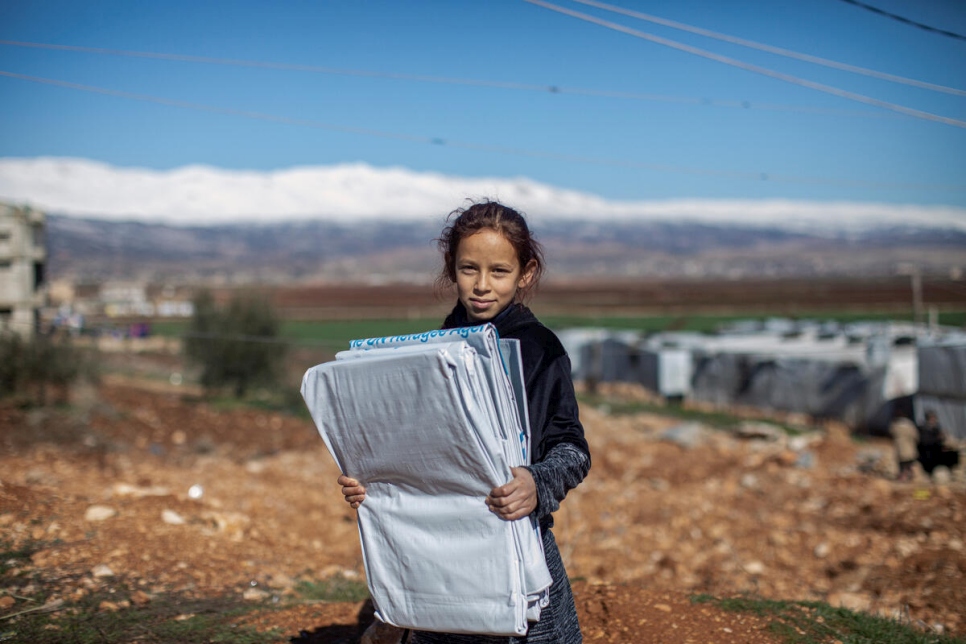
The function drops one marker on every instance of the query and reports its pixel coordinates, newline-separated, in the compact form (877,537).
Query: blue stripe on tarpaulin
(424,337)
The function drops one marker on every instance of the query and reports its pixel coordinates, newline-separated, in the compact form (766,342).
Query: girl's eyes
(473,269)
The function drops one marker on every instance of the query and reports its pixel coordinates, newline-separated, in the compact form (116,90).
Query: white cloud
(205,195)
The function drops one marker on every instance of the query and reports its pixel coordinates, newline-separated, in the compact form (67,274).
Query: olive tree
(30,369)
(237,345)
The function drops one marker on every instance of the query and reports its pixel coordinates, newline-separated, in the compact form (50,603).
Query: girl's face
(488,274)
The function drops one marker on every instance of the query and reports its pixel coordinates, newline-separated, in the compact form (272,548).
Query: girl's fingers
(354,493)
(510,512)
(509,508)
(515,499)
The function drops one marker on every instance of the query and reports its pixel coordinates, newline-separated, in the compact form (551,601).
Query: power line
(905,20)
(788,78)
(572,158)
(774,50)
(220,110)
(530,87)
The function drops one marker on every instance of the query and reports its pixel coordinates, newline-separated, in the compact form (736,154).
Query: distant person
(932,447)
(494,262)
(905,439)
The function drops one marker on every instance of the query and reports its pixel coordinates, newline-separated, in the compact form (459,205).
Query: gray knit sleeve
(563,468)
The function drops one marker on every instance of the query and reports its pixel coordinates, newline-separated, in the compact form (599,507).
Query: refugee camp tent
(813,371)
(666,371)
(849,372)
(575,341)
(942,383)
(602,355)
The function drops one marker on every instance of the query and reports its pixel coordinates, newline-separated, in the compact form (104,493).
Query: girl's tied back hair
(464,222)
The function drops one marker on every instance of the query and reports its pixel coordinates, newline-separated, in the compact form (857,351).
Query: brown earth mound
(160,493)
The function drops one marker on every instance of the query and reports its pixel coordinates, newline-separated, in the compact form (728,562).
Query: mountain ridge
(91,248)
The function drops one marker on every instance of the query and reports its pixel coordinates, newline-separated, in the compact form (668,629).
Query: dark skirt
(558,621)
(932,456)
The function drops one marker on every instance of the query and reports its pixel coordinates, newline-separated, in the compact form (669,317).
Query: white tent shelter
(942,382)
(850,372)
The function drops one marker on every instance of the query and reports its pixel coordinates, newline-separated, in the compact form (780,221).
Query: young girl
(491,257)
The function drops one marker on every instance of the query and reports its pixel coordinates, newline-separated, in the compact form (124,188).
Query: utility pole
(915,278)
(916,295)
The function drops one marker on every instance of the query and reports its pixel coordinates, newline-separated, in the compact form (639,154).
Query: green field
(336,334)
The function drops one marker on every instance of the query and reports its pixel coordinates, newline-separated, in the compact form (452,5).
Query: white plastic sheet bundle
(430,423)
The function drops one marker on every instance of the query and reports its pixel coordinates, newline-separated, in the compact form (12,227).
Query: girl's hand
(354,493)
(516,499)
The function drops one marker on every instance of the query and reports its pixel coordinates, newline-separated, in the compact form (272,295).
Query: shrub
(236,346)
(32,369)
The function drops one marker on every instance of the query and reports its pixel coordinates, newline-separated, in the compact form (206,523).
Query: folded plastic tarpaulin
(430,423)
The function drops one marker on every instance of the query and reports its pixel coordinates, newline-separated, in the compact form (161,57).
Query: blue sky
(787,142)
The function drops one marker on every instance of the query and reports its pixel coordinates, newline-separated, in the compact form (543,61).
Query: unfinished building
(23,256)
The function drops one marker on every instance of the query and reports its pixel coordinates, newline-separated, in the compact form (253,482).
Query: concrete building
(23,259)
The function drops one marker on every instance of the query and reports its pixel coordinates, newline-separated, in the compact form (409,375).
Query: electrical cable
(572,158)
(788,78)
(903,19)
(219,110)
(530,87)
(774,50)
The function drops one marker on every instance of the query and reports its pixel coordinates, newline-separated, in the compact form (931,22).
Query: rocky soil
(152,492)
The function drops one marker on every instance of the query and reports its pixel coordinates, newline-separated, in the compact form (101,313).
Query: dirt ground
(156,492)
